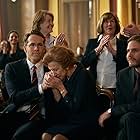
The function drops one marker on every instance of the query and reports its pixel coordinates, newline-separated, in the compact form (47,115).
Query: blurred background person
(129,31)
(43,22)
(9,51)
(79,53)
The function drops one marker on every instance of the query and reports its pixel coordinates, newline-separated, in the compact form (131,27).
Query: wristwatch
(109,110)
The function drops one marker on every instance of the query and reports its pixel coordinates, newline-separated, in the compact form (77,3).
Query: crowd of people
(47,73)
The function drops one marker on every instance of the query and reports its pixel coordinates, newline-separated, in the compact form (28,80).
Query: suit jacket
(80,100)
(90,58)
(18,83)
(125,100)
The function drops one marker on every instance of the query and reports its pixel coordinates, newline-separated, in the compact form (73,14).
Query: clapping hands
(61,40)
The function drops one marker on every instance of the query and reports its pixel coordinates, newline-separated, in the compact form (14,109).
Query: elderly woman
(106,54)
(43,22)
(71,98)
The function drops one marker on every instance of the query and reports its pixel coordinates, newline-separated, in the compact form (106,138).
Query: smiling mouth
(36,54)
(109,29)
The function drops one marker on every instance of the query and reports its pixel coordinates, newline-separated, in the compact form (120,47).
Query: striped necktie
(34,108)
(34,76)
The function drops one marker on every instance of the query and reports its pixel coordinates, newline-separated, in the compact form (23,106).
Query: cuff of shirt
(40,89)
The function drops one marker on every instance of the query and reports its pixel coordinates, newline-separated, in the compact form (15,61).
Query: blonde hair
(39,18)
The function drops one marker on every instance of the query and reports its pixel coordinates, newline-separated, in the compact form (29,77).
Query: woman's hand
(103,42)
(50,81)
(3,47)
(61,40)
(110,49)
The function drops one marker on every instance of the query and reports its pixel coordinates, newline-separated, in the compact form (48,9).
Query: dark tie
(137,85)
(34,109)
(34,77)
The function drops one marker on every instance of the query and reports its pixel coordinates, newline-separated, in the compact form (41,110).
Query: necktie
(34,108)
(137,85)
(34,77)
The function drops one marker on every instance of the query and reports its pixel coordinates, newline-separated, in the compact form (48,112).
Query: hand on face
(50,81)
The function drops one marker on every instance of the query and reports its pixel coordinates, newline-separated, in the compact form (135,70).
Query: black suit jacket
(18,83)
(90,58)
(125,100)
(81,102)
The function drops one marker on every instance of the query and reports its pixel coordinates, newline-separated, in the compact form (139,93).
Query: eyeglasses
(33,45)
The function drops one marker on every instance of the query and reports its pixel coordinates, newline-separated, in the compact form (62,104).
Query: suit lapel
(131,74)
(131,83)
(46,69)
(26,72)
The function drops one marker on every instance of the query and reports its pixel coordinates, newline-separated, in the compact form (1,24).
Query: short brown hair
(104,17)
(39,18)
(34,32)
(134,38)
(62,55)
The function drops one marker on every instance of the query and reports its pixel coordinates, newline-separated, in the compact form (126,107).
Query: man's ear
(24,48)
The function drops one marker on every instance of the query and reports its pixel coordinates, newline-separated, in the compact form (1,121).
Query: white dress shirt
(40,75)
(49,41)
(106,68)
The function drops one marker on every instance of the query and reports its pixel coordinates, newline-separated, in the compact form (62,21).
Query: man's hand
(104,116)
(131,29)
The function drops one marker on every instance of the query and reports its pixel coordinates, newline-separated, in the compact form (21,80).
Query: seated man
(21,88)
(127,97)
(70,101)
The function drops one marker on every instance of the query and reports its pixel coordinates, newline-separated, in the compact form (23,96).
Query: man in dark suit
(18,78)
(127,97)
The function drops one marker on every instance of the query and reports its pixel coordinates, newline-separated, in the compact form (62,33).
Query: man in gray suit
(127,98)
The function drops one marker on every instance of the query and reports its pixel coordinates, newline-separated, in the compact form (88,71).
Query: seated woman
(70,100)
(9,52)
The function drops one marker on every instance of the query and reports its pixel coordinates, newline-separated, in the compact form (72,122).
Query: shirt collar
(38,65)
